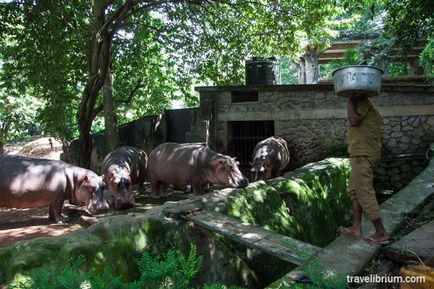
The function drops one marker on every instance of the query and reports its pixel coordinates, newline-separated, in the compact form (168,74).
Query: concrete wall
(312,119)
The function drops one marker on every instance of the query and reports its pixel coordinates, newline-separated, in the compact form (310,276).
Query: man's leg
(355,230)
(368,201)
(380,234)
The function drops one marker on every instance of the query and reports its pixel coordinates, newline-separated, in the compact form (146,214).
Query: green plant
(426,59)
(171,270)
(315,273)
(351,57)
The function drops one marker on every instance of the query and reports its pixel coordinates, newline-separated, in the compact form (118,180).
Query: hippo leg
(140,187)
(55,212)
(275,174)
(197,187)
(154,189)
(162,189)
(158,189)
(204,188)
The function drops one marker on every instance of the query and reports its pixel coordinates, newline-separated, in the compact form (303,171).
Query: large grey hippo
(122,168)
(28,183)
(191,164)
(270,157)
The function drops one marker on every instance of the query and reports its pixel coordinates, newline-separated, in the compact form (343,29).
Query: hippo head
(119,184)
(90,192)
(260,169)
(227,172)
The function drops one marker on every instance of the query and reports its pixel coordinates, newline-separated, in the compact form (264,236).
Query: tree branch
(131,95)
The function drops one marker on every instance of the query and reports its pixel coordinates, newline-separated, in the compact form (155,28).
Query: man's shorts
(361,186)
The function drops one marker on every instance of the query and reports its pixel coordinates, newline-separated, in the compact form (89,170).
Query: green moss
(308,203)
(261,205)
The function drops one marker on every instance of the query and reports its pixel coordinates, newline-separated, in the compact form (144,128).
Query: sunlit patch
(21,281)
(140,241)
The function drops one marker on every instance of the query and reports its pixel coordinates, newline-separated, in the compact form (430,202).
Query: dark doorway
(244,135)
(179,124)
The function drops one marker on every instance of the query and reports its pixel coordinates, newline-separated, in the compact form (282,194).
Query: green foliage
(426,59)
(218,286)
(316,275)
(158,53)
(171,270)
(286,73)
(397,69)
(351,57)
(408,21)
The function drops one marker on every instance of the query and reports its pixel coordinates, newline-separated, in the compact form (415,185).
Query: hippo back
(192,164)
(131,158)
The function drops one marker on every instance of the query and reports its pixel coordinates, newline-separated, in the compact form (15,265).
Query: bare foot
(377,240)
(351,231)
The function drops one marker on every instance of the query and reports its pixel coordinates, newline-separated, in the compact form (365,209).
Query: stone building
(312,119)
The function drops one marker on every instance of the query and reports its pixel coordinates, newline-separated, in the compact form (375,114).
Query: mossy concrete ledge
(307,204)
(117,241)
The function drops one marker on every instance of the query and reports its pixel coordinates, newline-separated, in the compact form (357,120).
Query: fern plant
(171,270)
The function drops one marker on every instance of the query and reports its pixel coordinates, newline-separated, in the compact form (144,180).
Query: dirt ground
(24,224)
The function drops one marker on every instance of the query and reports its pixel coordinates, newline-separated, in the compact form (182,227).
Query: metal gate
(244,135)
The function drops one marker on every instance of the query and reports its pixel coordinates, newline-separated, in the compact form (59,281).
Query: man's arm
(354,117)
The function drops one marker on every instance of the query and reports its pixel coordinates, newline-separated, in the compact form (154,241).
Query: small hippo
(29,183)
(123,168)
(270,157)
(191,164)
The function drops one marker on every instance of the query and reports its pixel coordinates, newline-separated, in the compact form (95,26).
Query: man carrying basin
(357,83)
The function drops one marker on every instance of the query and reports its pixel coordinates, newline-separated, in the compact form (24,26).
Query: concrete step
(280,246)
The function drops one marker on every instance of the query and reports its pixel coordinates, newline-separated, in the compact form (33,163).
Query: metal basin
(357,81)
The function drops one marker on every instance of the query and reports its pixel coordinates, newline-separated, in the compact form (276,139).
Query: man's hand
(354,117)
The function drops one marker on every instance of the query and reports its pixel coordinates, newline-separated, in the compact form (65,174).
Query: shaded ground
(24,224)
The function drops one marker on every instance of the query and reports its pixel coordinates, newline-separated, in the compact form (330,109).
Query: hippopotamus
(270,157)
(29,183)
(191,164)
(123,168)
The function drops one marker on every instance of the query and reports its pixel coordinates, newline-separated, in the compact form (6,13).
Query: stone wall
(312,119)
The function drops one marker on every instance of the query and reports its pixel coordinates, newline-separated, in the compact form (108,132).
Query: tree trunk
(302,71)
(2,148)
(111,129)
(311,57)
(98,66)
(85,148)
